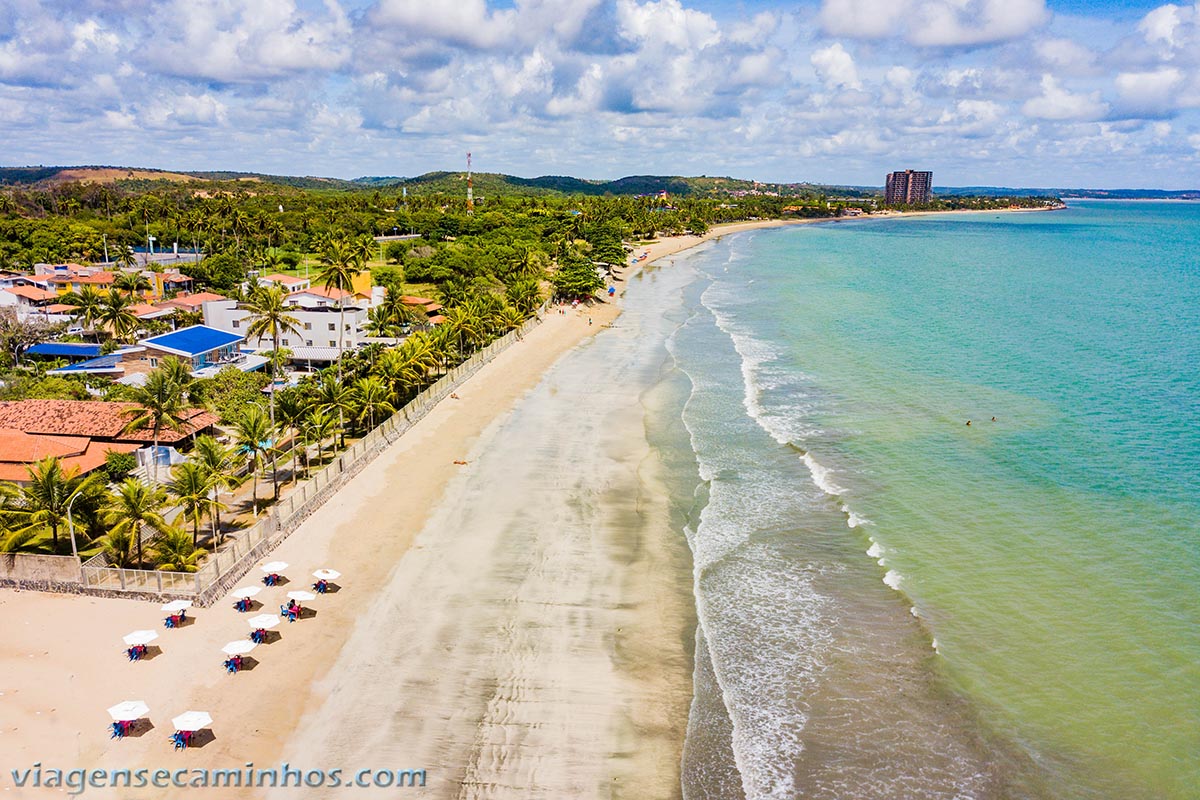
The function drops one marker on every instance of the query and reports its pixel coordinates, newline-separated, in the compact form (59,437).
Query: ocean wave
(893,579)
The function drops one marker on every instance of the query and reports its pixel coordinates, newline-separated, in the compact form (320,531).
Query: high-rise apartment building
(908,188)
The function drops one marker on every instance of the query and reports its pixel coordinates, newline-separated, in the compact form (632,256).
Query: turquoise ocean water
(893,603)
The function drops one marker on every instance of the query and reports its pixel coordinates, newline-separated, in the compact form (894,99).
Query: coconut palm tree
(270,317)
(253,437)
(136,505)
(339,267)
(117,547)
(89,305)
(370,398)
(115,313)
(333,396)
(192,486)
(175,552)
(43,501)
(219,464)
(292,408)
(133,283)
(160,404)
(321,425)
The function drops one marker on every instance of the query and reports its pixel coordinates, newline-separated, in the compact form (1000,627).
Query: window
(308,326)
(308,342)
(332,343)
(153,363)
(236,323)
(332,327)
(283,342)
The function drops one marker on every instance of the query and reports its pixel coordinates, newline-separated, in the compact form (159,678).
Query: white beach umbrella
(327,574)
(302,596)
(272,567)
(177,605)
(246,591)
(263,621)
(192,721)
(238,647)
(140,637)
(127,710)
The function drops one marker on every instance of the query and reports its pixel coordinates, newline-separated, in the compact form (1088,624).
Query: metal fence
(243,549)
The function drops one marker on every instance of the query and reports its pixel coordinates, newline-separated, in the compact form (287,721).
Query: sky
(1074,93)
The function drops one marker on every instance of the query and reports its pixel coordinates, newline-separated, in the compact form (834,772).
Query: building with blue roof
(206,350)
(80,350)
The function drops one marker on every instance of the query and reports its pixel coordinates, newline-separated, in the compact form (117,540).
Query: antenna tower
(470,191)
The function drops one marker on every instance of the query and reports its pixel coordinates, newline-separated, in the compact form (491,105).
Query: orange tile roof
(437,319)
(19,449)
(283,278)
(409,300)
(145,309)
(94,418)
(31,293)
(193,300)
(59,308)
(101,278)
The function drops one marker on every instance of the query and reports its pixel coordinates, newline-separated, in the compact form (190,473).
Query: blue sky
(1077,93)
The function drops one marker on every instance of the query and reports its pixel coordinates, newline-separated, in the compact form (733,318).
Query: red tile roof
(31,293)
(93,418)
(18,450)
(192,301)
(409,300)
(101,278)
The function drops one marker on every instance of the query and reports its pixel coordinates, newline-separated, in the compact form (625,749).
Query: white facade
(318,325)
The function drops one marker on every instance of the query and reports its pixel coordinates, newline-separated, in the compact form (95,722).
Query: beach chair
(117,731)
(230,666)
(179,740)
(133,654)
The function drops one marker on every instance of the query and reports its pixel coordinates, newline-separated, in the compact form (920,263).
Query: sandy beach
(616,629)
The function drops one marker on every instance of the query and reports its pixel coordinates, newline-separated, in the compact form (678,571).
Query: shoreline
(62,664)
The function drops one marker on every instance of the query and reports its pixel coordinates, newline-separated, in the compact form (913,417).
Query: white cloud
(934,23)
(1065,55)
(1057,103)
(836,67)
(666,22)
(223,41)
(1148,93)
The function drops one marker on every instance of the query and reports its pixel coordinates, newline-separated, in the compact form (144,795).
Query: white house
(318,328)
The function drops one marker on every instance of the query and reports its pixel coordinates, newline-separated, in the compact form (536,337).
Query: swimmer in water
(968,422)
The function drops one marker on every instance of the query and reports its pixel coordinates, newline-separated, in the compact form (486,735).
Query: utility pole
(470,191)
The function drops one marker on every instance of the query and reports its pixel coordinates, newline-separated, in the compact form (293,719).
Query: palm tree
(510,318)
(293,407)
(117,546)
(369,398)
(219,464)
(269,316)
(131,282)
(524,294)
(50,491)
(160,403)
(192,486)
(339,267)
(134,506)
(321,426)
(332,395)
(252,438)
(89,305)
(115,313)
(177,553)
